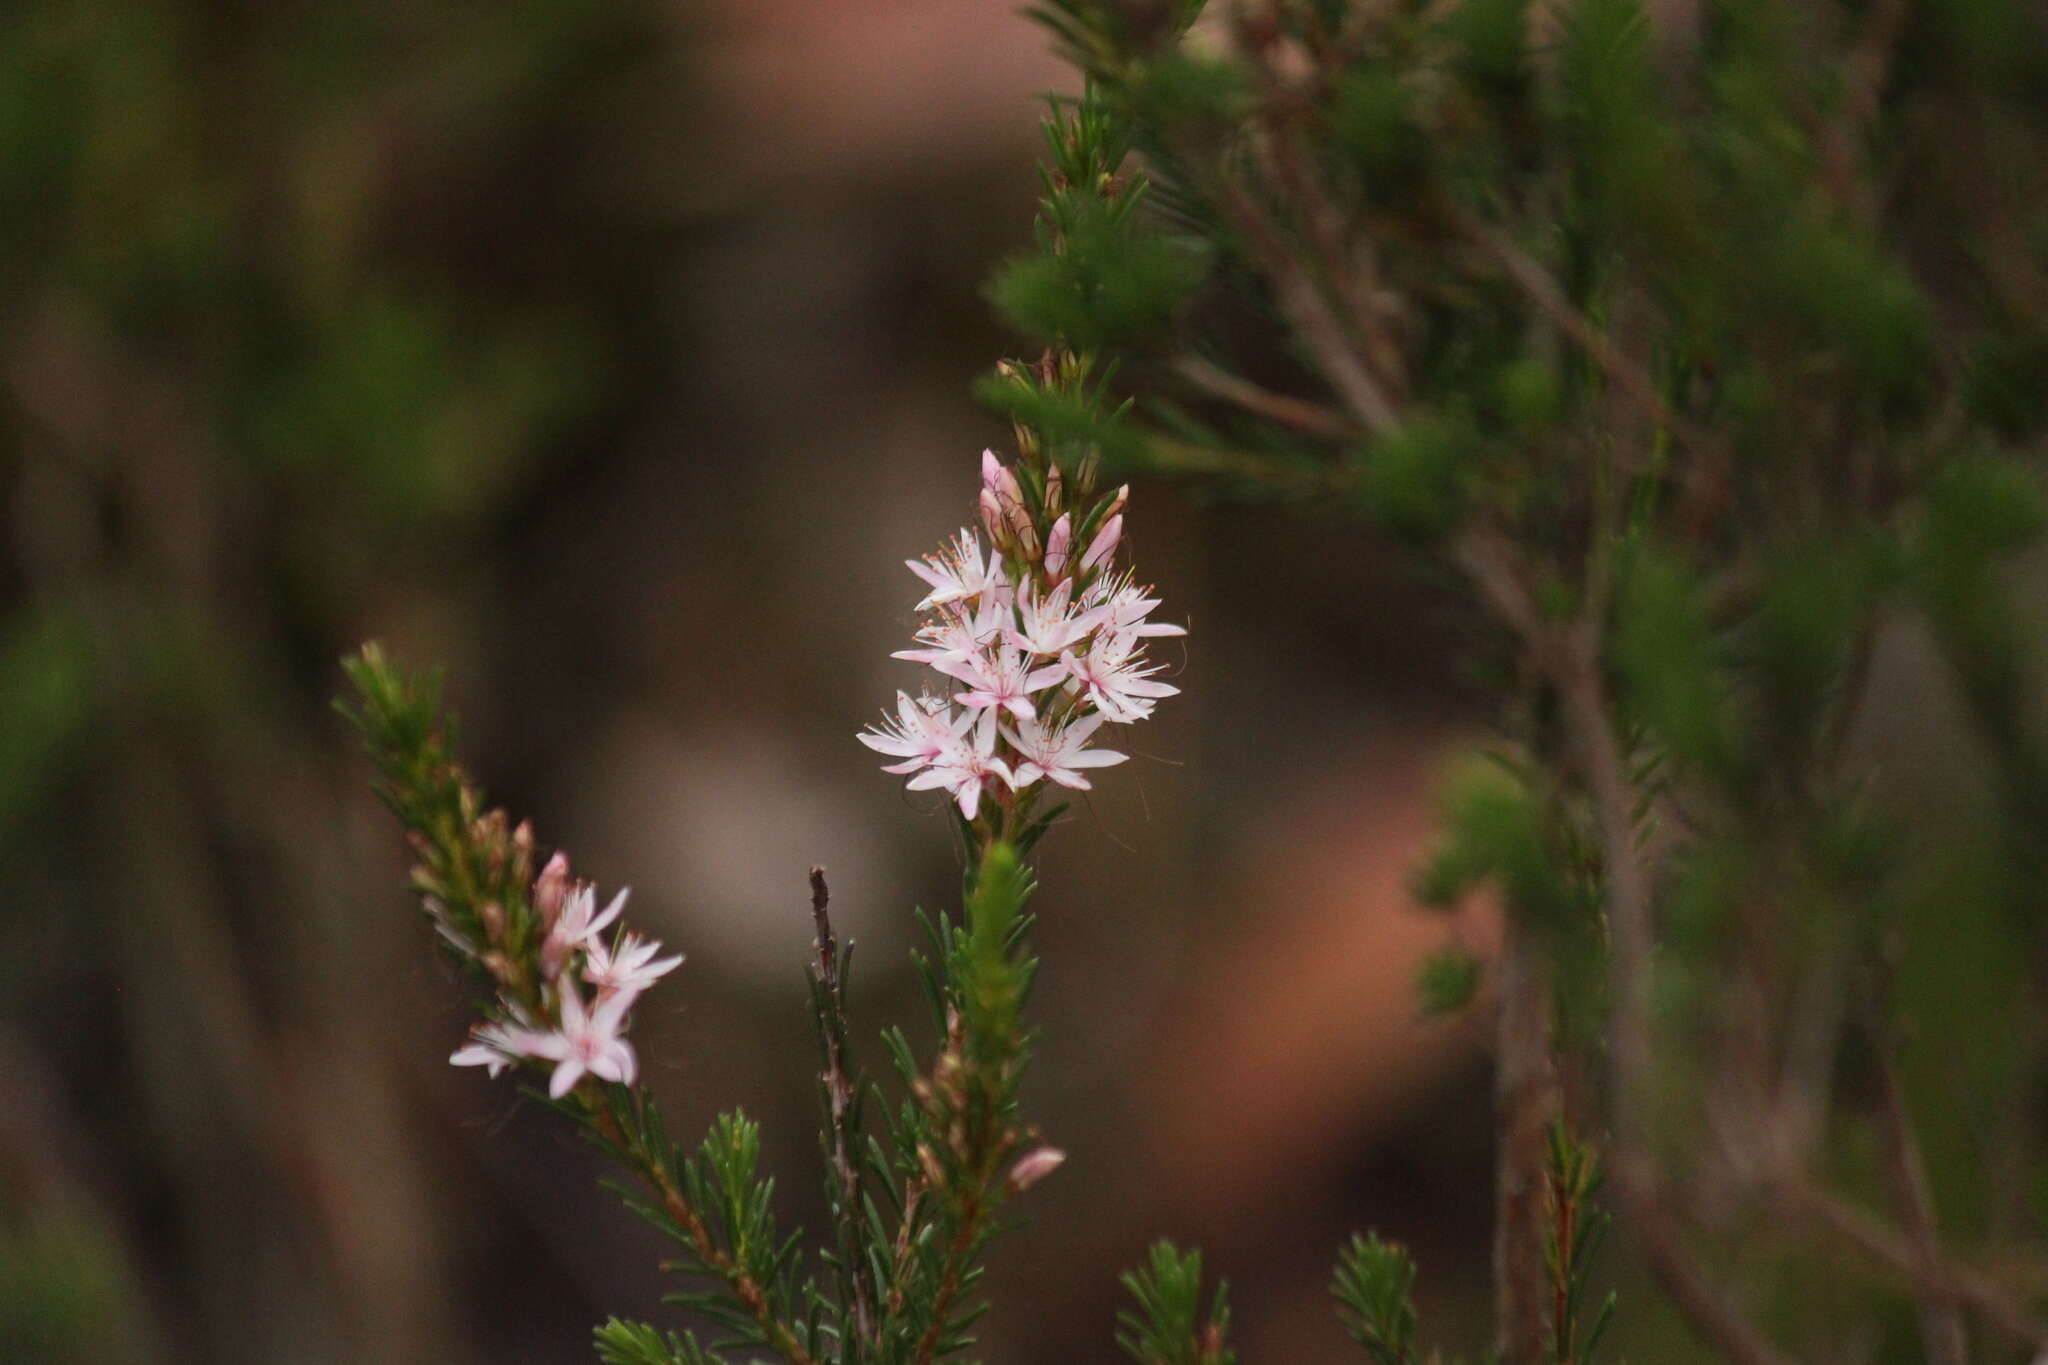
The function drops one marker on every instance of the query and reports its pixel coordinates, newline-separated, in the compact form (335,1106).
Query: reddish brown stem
(850,1212)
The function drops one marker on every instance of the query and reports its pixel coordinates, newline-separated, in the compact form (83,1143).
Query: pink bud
(992,469)
(1052,487)
(1057,544)
(551,888)
(1018,518)
(1104,544)
(1035,1166)
(991,515)
(1003,482)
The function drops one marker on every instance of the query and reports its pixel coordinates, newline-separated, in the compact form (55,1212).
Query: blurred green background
(614,356)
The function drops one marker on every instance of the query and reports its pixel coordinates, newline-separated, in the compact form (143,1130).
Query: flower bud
(991,515)
(1018,519)
(1052,488)
(1058,546)
(1105,543)
(493,916)
(991,470)
(550,889)
(1033,1167)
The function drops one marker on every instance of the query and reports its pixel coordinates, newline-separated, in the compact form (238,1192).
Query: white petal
(1040,679)
(566,1076)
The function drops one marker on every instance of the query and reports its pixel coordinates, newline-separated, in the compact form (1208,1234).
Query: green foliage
(1103,272)
(1416,479)
(991,966)
(1101,277)
(1169,1325)
(1983,506)
(1447,980)
(1178,92)
(1669,656)
(1070,413)
(1807,614)
(1618,135)
(64,1297)
(1492,43)
(1495,830)
(467,858)
(1374,121)
(1576,1229)
(2006,383)
(47,694)
(1375,1292)
(636,1343)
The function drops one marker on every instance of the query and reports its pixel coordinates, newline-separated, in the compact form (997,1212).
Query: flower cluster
(1040,642)
(586,983)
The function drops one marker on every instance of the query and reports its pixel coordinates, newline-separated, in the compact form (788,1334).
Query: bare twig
(1486,558)
(1632,939)
(849,1211)
(1941,1325)
(1999,1305)
(1298,413)
(1869,66)
(1309,313)
(1545,292)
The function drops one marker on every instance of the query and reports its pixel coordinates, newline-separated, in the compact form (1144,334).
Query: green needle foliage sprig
(1169,1325)
(1703,346)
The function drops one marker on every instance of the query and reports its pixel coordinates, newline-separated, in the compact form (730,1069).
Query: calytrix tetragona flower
(551,1020)
(1041,631)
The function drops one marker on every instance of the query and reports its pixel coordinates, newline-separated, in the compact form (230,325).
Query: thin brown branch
(1487,559)
(1678,1273)
(849,1211)
(1299,413)
(957,1253)
(1941,1325)
(1868,69)
(1999,1305)
(1319,326)
(1299,481)
(1279,153)
(1632,942)
(1545,292)
(1310,314)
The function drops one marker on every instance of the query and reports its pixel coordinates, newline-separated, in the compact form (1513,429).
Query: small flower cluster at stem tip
(1039,643)
(587,984)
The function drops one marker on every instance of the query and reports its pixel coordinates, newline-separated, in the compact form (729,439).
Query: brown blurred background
(615,356)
